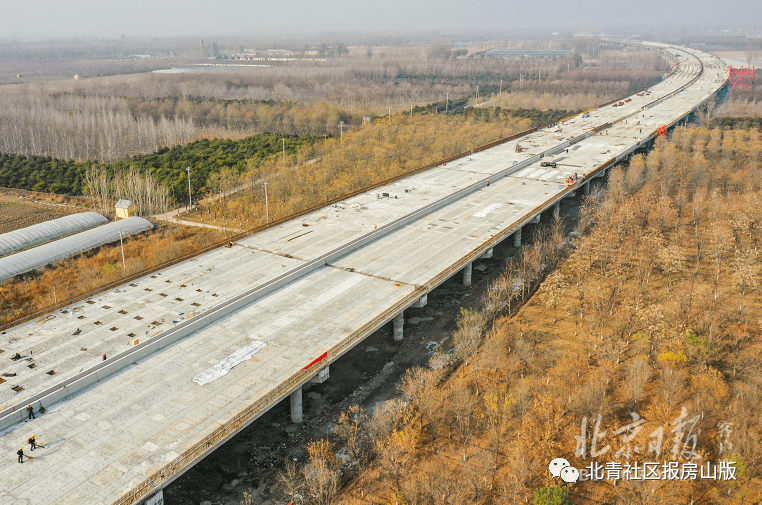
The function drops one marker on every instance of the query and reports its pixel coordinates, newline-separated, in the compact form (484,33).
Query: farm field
(18,212)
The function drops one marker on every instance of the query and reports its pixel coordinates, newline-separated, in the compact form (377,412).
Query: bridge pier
(586,188)
(297,414)
(517,238)
(421,302)
(399,323)
(557,209)
(487,254)
(467,274)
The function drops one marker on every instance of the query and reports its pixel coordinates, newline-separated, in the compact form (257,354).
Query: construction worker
(30,411)
(20,452)
(32,442)
(104,356)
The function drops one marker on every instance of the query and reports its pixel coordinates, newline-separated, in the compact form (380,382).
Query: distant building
(123,208)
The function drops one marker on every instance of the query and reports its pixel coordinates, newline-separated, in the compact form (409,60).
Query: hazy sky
(111,18)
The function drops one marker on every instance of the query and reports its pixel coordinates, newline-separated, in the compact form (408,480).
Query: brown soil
(21,209)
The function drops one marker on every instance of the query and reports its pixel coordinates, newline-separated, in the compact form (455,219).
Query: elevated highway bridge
(197,351)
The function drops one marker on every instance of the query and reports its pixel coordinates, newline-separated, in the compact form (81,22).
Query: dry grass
(337,167)
(99,267)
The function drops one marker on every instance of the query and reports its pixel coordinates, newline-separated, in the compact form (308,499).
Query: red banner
(321,358)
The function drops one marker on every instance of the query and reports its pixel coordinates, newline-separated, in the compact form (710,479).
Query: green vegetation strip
(205,157)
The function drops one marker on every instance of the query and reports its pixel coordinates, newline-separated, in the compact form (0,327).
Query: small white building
(123,208)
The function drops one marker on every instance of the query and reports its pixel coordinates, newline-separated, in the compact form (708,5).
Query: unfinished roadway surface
(281,305)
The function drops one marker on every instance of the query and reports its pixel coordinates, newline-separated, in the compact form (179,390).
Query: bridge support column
(586,188)
(421,302)
(487,254)
(297,415)
(517,238)
(399,323)
(467,274)
(557,209)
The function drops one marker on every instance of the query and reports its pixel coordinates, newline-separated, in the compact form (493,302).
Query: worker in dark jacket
(32,442)
(30,411)
(20,452)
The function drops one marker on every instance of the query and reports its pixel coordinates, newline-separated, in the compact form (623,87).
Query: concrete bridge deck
(134,430)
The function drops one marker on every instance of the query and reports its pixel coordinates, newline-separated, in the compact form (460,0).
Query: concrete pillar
(467,274)
(487,254)
(321,376)
(586,188)
(297,415)
(557,209)
(399,323)
(421,302)
(517,238)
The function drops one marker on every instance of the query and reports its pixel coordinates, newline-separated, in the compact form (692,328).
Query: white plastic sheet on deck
(223,367)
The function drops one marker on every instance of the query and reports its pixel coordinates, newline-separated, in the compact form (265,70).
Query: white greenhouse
(17,240)
(66,247)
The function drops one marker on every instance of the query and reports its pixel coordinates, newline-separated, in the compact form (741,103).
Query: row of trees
(81,128)
(360,85)
(245,116)
(147,194)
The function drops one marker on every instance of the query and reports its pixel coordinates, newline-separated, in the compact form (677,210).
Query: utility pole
(390,112)
(501,87)
(411,108)
(447,102)
(284,150)
(124,265)
(267,205)
(190,200)
(477,94)
(341,138)
(521,84)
